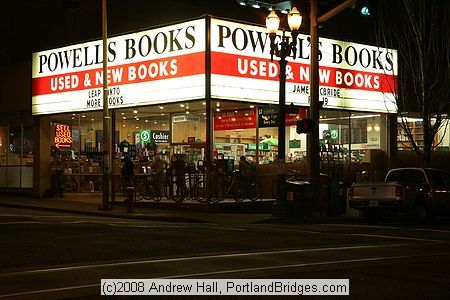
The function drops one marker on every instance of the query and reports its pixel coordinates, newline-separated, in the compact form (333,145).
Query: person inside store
(128,171)
(57,176)
(244,165)
(244,171)
(159,164)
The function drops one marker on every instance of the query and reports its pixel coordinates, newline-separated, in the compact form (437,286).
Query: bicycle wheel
(216,190)
(252,192)
(199,191)
(177,191)
(237,191)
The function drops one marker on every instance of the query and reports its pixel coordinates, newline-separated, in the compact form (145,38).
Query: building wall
(15,84)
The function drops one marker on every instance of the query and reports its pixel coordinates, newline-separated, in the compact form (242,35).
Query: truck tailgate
(379,191)
(383,194)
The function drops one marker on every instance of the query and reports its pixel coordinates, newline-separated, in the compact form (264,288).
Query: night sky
(33,25)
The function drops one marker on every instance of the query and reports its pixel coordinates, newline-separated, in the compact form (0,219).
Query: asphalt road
(53,255)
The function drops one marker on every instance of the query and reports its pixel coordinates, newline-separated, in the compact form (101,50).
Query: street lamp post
(282,51)
(287,47)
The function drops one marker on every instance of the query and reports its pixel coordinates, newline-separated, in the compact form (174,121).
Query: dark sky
(27,26)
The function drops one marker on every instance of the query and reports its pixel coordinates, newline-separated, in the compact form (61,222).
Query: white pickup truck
(417,191)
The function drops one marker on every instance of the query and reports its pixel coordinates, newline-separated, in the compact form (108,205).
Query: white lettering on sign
(160,136)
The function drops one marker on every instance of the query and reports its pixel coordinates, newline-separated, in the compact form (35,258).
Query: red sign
(235,119)
(228,64)
(63,136)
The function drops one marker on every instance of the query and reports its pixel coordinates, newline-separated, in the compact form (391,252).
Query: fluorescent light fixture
(256,5)
(242,3)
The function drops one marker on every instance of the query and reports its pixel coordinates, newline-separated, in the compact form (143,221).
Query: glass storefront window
(234,131)
(16,156)
(14,145)
(27,145)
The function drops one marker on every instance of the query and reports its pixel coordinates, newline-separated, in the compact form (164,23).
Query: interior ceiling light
(135,111)
(218,109)
(187,112)
(161,107)
(123,113)
(181,105)
(124,118)
(137,119)
(256,5)
(162,114)
(92,119)
(146,121)
(123,125)
(252,106)
(137,127)
(155,122)
(242,3)
(83,116)
(218,104)
(203,103)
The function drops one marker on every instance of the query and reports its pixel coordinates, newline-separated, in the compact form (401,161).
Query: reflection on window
(14,145)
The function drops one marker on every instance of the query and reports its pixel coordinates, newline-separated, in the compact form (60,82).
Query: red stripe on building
(151,70)
(260,68)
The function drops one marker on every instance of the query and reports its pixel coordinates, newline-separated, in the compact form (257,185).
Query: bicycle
(151,188)
(243,186)
(293,175)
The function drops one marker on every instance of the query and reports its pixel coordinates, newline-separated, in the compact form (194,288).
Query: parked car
(422,192)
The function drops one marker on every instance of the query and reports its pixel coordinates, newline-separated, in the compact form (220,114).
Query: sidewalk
(227,213)
(89,204)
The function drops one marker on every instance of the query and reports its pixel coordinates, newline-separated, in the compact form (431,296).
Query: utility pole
(313,137)
(106,119)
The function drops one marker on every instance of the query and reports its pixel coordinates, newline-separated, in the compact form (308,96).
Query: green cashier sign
(146,135)
(334,134)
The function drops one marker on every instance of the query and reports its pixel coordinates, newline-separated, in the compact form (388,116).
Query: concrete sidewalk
(229,213)
(89,204)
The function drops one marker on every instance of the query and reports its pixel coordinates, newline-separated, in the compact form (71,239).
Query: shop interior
(149,134)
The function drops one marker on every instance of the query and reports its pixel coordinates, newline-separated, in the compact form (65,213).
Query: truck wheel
(421,213)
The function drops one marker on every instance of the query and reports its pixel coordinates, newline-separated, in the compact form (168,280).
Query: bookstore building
(168,86)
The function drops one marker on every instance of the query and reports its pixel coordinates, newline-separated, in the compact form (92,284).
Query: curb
(104,214)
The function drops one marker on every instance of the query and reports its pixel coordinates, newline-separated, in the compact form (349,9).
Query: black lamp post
(286,47)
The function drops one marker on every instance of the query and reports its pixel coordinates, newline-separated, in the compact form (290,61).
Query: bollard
(130,199)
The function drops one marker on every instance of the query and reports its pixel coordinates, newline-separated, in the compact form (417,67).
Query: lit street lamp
(294,20)
(287,47)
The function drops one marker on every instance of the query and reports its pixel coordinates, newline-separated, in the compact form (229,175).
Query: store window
(189,131)
(349,136)
(16,155)
(234,132)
